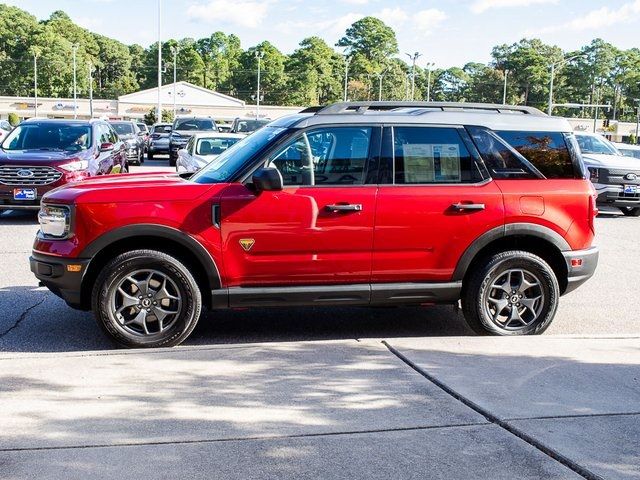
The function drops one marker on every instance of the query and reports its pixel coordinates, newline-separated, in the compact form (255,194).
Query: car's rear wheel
(146,298)
(631,211)
(511,293)
(149,155)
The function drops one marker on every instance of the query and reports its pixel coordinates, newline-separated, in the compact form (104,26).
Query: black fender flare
(508,230)
(158,231)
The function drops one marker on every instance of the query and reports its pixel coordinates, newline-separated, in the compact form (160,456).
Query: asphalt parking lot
(323,393)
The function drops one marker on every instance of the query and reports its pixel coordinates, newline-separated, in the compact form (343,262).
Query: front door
(433,204)
(319,229)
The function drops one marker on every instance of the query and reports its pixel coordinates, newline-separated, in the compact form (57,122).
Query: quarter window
(425,155)
(329,156)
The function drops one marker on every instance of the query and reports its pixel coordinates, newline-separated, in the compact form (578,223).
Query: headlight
(75,166)
(594,174)
(54,220)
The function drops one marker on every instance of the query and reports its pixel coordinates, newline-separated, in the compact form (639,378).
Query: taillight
(593,209)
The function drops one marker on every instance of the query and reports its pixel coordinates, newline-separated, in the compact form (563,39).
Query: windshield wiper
(47,149)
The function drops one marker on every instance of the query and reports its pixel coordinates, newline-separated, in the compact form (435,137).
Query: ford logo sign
(25,173)
(631,176)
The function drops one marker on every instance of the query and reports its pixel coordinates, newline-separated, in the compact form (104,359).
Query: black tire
(172,160)
(182,284)
(141,157)
(479,295)
(631,211)
(149,155)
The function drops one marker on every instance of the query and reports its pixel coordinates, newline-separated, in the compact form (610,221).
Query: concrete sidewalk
(541,407)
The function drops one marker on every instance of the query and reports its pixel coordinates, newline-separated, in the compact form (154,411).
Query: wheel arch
(155,237)
(536,239)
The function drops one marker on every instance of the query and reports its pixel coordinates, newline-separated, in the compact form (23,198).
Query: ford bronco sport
(377,203)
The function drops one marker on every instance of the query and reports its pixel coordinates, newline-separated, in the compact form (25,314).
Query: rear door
(434,200)
(319,229)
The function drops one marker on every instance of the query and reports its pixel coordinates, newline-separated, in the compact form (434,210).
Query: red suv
(375,203)
(40,155)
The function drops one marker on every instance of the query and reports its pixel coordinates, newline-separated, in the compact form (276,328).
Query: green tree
(13,119)
(272,75)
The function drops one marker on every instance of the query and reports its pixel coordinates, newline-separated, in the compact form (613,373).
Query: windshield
(123,128)
(142,126)
(214,145)
(250,125)
(629,152)
(595,145)
(194,124)
(233,159)
(161,129)
(48,136)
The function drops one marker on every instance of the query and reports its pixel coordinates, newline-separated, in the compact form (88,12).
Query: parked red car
(353,204)
(40,155)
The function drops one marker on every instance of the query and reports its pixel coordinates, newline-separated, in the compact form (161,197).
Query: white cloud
(595,19)
(356,2)
(479,6)
(241,13)
(427,20)
(421,23)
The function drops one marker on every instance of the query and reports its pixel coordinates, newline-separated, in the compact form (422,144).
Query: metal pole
(413,58)
(159,107)
(90,90)
(595,121)
(380,76)
(35,84)
(75,90)
(346,77)
(259,55)
(637,118)
(504,89)
(550,106)
(174,50)
(429,85)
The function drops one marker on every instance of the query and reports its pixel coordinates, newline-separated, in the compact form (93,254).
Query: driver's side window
(294,162)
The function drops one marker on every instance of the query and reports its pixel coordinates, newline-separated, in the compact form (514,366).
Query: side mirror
(182,151)
(267,178)
(106,147)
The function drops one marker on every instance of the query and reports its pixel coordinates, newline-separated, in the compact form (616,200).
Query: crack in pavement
(22,316)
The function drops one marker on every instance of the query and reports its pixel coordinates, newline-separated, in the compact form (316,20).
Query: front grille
(616,177)
(9,175)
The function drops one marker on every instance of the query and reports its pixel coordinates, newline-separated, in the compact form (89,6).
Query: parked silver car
(202,148)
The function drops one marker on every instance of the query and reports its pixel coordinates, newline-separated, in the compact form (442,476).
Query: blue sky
(446,33)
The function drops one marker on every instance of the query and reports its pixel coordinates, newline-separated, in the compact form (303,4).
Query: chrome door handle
(344,207)
(468,206)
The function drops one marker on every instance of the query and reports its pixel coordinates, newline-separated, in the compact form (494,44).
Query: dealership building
(190,100)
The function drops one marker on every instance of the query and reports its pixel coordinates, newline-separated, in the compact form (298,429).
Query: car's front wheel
(146,298)
(511,293)
(631,211)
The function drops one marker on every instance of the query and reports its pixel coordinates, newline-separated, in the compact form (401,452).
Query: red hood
(38,157)
(137,187)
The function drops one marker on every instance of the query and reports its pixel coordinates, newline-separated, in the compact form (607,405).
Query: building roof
(186,94)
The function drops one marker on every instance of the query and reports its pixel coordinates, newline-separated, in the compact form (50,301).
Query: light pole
(553,71)
(413,59)
(35,83)
(429,65)
(637,100)
(347,60)
(90,90)
(504,89)
(259,55)
(174,51)
(159,107)
(74,47)
(380,77)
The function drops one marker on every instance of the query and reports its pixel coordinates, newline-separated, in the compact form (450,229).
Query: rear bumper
(63,276)
(581,265)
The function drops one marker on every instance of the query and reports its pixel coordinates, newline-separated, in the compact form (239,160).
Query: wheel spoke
(500,305)
(127,300)
(529,303)
(163,293)
(515,316)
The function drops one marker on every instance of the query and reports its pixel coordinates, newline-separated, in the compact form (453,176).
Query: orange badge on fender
(246,243)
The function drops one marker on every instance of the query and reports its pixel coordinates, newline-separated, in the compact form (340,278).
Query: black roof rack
(362,107)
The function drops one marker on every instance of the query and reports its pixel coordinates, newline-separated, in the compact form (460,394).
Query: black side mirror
(267,178)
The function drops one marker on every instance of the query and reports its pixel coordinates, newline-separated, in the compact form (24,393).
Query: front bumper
(158,147)
(7,201)
(614,196)
(63,276)
(581,265)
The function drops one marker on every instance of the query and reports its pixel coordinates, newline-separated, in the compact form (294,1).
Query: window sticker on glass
(429,163)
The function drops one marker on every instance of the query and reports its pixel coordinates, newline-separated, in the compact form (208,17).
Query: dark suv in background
(133,139)
(158,141)
(40,155)
(181,131)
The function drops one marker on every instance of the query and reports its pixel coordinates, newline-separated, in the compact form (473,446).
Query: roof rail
(362,107)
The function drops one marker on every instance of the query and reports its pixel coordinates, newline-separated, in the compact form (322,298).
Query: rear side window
(425,155)
(547,151)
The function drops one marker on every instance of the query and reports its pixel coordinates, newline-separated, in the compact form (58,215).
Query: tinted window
(244,126)
(237,156)
(431,155)
(194,124)
(546,150)
(48,136)
(162,129)
(123,128)
(500,158)
(629,152)
(329,156)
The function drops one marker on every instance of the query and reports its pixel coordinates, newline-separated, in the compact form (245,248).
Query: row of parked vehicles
(373,203)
